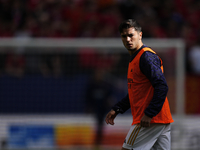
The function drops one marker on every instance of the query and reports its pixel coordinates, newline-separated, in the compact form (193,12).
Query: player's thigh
(164,140)
(140,138)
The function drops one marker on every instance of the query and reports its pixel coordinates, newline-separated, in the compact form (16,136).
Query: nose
(128,38)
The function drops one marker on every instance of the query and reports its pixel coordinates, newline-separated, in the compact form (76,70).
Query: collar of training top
(134,54)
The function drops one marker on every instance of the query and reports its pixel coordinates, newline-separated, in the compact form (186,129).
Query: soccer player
(147,95)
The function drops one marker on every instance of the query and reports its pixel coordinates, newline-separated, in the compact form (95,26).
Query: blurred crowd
(101,18)
(91,19)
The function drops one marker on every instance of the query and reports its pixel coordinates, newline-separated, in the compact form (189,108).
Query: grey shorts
(157,136)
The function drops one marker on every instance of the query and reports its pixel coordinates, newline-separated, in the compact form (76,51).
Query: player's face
(131,39)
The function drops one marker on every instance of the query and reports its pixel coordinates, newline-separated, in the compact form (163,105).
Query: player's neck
(132,51)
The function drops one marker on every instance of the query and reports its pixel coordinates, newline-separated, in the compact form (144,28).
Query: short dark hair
(129,23)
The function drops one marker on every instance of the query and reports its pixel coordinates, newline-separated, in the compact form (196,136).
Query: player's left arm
(150,66)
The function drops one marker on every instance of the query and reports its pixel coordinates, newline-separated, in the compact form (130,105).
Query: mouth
(129,45)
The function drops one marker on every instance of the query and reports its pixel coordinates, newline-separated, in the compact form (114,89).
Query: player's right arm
(121,107)
(110,117)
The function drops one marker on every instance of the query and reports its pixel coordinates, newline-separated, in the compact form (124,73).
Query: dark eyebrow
(125,35)
(130,34)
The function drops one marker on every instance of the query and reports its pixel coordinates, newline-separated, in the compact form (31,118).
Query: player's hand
(110,117)
(145,121)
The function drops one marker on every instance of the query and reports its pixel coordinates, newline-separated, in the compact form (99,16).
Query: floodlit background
(63,66)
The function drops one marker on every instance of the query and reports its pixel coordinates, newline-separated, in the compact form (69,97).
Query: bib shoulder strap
(150,50)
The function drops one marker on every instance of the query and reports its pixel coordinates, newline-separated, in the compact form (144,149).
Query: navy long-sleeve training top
(150,66)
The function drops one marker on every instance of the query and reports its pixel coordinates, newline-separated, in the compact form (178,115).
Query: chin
(131,49)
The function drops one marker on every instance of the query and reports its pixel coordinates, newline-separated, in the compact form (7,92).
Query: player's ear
(140,35)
